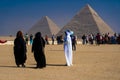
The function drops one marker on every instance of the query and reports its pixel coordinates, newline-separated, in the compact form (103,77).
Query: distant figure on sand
(53,39)
(98,39)
(38,49)
(68,47)
(31,39)
(74,42)
(26,38)
(84,39)
(20,49)
(46,39)
(3,41)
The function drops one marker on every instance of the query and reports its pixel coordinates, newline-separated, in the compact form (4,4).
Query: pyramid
(86,21)
(46,26)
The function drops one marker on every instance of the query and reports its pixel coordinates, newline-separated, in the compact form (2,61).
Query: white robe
(68,49)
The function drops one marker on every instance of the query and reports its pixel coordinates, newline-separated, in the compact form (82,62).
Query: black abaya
(38,49)
(20,51)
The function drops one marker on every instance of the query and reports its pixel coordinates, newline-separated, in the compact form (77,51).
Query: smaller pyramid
(46,26)
(87,21)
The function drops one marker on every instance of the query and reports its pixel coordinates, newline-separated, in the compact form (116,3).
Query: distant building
(46,26)
(86,21)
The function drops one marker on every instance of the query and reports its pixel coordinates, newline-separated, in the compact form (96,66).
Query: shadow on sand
(16,67)
(8,66)
(55,50)
(56,64)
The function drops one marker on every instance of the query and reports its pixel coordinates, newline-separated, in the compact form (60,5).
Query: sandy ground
(90,62)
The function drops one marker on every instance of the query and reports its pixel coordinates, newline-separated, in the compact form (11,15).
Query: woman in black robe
(38,49)
(20,49)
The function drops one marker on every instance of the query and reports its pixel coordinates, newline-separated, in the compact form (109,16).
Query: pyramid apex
(88,6)
(45,16)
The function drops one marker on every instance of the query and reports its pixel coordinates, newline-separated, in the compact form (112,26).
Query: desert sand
(90,62)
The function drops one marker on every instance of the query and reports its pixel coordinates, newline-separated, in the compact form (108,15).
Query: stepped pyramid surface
(86,21)
(46,26)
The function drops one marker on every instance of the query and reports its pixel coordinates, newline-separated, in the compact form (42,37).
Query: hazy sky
(23,14)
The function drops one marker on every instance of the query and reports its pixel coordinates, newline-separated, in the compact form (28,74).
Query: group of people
(101,39)
(73,39)
(27,37)
(20,50)
(38,47)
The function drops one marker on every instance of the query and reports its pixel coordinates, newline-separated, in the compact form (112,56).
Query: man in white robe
(68,47)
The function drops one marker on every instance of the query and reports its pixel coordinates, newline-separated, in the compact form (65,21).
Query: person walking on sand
(53,39)
(31,39)
(46,39)
(20,49)
(38,50)
(68,47)
(74,42)
(26,38)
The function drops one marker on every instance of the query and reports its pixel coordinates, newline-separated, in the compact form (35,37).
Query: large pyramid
(46,26)
(86,21)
